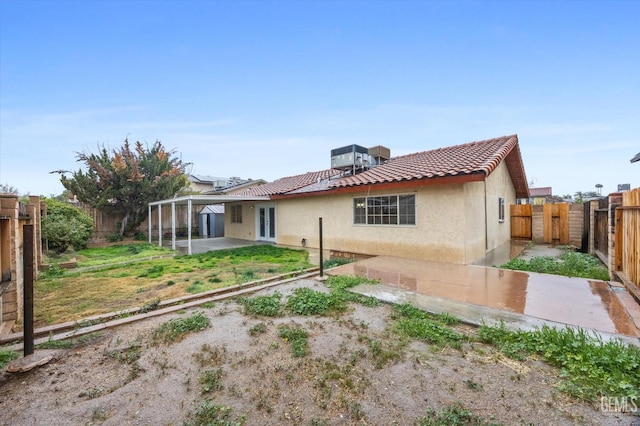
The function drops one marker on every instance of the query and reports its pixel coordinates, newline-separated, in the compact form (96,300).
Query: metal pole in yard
(321,260)
(27,268)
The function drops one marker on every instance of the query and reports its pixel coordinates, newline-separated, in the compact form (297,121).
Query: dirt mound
(357,372)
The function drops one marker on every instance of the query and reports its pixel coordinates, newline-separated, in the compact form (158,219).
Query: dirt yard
(356,374)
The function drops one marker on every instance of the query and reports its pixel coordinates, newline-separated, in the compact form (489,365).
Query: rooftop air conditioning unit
(352,157)
(380,154)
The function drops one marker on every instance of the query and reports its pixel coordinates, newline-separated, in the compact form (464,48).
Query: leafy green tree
(66,226)
(123,181)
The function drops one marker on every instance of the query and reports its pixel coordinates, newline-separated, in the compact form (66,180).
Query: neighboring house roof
(544,191)
(236,188)
(636,158)
(204,178)
(472,161)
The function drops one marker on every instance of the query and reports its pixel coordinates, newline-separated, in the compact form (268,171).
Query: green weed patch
(6,356)
(418,324)
(306,301)
(453,415)
(208,414)
(210,380)
(297,338)
(176,329)
(589,367)
(268,306)
(118,253)
(571,264)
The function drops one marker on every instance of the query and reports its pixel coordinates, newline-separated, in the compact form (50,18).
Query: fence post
(321,248)
(27,268)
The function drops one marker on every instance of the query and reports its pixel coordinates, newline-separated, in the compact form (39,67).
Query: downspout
(486,217)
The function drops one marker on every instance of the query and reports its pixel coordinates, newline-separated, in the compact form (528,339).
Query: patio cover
(190,200)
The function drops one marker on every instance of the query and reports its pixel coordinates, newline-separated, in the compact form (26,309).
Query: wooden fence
(556,223)
(520,221)
(549,223)
(601,228)
(627,236)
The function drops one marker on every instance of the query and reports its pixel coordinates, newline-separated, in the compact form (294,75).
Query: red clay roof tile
(475,157)
(290,183)
(543,191)
(470,158)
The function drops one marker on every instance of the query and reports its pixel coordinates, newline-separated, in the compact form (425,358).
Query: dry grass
(74,296)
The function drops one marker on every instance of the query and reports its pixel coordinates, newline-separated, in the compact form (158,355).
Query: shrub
(114,238)
(66,226)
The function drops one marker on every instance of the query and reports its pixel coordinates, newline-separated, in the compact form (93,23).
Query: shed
(211,221)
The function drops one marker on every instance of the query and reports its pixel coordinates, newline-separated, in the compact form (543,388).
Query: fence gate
(556,223)
(521,221)
(586,222)
(601,227)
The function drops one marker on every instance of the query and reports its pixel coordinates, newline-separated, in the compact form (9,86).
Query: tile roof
(544,191)
(472,158)
(475,157)
(290,183)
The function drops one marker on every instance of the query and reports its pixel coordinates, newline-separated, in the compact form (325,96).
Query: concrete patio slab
(478,294)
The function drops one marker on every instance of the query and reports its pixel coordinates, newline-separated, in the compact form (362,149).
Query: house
(13,215)
(216,185)
(448,204)
(538,196)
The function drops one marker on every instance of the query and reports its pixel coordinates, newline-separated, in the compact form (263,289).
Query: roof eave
(404,184)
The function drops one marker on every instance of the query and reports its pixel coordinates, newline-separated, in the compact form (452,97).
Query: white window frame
(501,209)
(382,210)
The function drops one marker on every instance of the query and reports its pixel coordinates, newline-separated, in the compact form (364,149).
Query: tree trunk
(123,225)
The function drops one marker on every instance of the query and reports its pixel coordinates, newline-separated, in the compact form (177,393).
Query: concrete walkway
(522,300)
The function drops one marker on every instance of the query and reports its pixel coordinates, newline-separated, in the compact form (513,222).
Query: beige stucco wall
(436,235)
(245,230)
(447,216)
(450,222)
(474,221)
(499,184)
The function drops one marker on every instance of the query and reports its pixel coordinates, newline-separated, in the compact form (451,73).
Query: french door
(266,222)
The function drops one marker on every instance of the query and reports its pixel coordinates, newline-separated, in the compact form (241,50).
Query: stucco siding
(499,185)
(474,221)
(451,224)
(245,230)
(437,234)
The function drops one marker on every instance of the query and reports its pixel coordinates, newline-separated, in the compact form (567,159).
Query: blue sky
(266,89)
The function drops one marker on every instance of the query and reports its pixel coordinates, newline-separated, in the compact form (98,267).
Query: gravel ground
(122,378)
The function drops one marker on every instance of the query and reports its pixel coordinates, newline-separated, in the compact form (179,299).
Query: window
(236,214)
(500,209)
(386,210)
